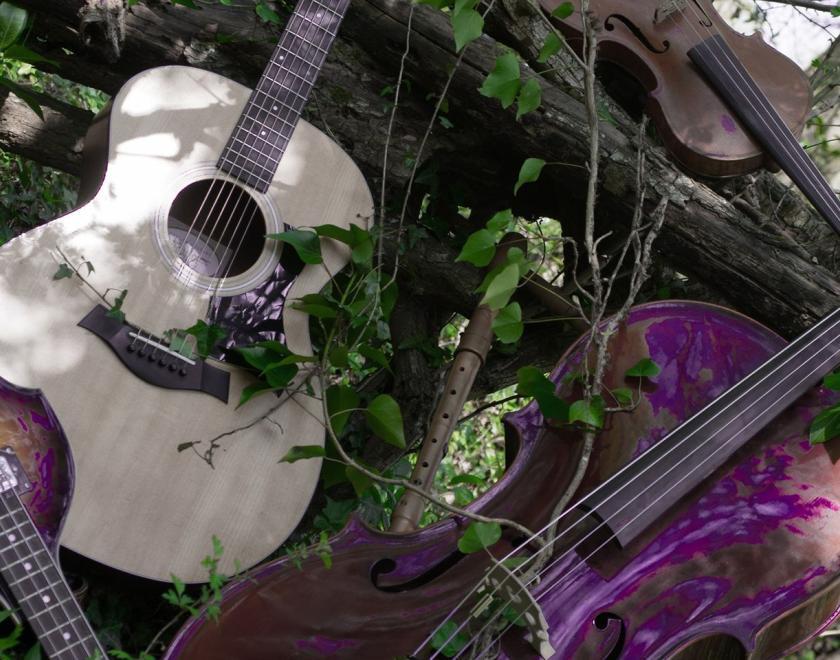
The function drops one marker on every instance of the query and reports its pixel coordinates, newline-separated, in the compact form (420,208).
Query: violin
(724,103)
(706,525)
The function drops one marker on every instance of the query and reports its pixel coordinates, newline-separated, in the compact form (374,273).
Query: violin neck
(744,97)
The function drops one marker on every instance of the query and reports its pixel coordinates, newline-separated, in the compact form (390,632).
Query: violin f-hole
(637,32)
(615,632)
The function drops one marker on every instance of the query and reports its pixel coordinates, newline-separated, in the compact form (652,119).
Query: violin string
(8,511)
(828,320)
(764,109)
(583,561)
(268,105)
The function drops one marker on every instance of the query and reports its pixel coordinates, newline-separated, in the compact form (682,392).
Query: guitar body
(747,565)
(140,505)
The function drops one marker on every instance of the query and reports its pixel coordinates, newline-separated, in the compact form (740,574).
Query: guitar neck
(38,585)
(731,80)
(260,138)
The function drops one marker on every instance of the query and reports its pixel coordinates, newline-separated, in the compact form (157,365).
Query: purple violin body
(29,426)
(747,564)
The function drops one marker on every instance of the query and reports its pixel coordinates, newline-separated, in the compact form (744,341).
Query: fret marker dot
(282,57)
(275,108)
(11,537)
(27,566)
(66,636)
(262,133)
(319,14)
(46,599)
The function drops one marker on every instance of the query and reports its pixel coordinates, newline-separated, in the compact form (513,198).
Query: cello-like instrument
(707,525)
(724,103)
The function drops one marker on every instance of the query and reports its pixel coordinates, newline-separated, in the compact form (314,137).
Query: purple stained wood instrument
(745,561)
(36,484)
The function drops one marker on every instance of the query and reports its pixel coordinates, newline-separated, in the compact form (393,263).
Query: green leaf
(251,391)
(825,426)
(591,413)
(360,482)
(34,652)
(479,535)
(316,305)
(479,248)
(12,23)
(362,246)
(551,46)
(338,357)
(375,355)
(341,401)
(452,647)
(206,337)
(64,271)
(503,81)
(472,479)
(508,325)
(303,452)
(832,381)
(186,3)
(501,288)
(564,10)
(23,54)
(258,357)
(501,221)
(267,13)
(116,309)
(385,420)
(644,368)
(529,172)
(24,95)
(529,97)
(305,243)
(533,382)
(623,395)
(467,25)
(279,375)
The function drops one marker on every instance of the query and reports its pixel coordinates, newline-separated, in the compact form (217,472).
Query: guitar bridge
(152,360)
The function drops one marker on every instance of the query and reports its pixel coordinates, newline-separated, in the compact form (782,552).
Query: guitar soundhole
(217,228)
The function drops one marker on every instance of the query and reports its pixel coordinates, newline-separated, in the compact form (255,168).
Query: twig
(806,4)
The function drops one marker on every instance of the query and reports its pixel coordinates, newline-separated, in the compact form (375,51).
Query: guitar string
(582,563)
(785,132)
(312,31)
(765,110)
(833,326)
(56,623)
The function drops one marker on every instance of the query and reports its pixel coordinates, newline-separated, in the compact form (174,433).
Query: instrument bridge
(153,359)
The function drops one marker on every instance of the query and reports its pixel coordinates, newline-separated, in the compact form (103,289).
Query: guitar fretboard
(38,585)
(260,138)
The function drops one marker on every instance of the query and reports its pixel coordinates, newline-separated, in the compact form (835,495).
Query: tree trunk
(765,253)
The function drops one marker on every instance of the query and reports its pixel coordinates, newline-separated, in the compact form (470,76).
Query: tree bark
(750,242)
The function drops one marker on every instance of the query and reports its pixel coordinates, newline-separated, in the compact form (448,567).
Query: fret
(62,625)
(260,138)
(40,591)
(67,647)
(18,542)
(39,551)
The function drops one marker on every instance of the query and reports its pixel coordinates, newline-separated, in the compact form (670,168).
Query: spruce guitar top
(199,170)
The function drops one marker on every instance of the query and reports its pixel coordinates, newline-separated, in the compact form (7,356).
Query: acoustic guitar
(199,171)
(36,484)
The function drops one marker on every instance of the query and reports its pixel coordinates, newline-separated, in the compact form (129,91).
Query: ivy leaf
(206,337)
(479,248)
(644,368)
(186,3)
(563,10)
(385,420)
(825,426)
(472,479)
(316,305)
(341,401)
(34,652)
(479,535)
(508,324)
(453,646)
(360,482)
(116,309)
(24,54)
(832,381)
(279,375)
(500,221)
(362,245)
(63,272)
(503,81)
(551,46)
(529,99)
(267,13)
(533,382)
(501,288)
(251,391)
(303,452)
(467,25)
(12,23)
(305,243)
(623,395)
(591,413)
(529,172)
(375,355)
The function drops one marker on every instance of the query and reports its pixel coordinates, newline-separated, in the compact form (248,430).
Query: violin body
(747,564)
(698,128)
